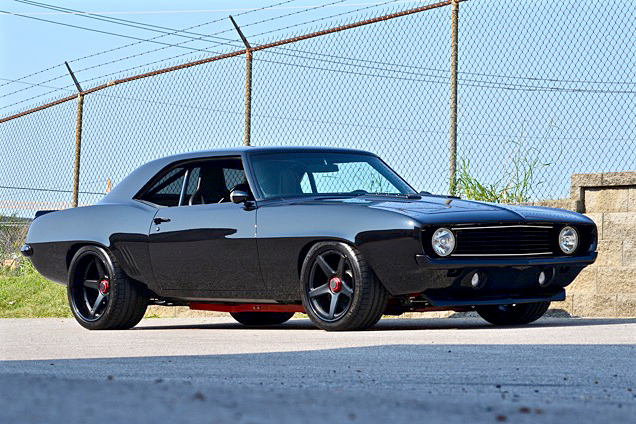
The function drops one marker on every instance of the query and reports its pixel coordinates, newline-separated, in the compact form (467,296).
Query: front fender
(388,240)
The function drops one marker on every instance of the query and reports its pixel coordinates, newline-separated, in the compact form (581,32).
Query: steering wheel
(198,193)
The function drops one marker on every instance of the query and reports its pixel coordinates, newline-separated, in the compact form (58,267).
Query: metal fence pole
(248,85)
(248,98)
(453,97)
(78,148)
(78,136)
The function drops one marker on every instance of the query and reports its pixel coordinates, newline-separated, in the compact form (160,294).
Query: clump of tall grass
(515,186)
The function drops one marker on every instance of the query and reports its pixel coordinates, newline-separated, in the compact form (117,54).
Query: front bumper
(439,300)
(458,263)
(447,282)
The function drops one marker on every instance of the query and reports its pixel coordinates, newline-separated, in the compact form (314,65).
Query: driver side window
(197,183)
(213,180)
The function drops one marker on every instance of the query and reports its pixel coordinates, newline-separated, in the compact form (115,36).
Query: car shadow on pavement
(371,384)
(393,324)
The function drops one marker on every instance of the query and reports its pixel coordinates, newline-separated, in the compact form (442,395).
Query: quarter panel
(122,228)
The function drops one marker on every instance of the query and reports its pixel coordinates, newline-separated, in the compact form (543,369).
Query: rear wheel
(100,295)
(516,314)
(262,318)
(339,290)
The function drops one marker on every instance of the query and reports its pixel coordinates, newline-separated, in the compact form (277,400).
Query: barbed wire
(89,56)
(226,41)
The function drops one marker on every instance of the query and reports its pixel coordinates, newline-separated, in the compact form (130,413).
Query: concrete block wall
(607,288)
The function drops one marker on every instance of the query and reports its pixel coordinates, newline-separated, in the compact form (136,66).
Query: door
(205,245)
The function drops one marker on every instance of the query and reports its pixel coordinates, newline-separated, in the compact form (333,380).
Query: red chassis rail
(246,307)
(275,307)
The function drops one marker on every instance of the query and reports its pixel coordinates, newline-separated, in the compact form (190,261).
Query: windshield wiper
(404,195)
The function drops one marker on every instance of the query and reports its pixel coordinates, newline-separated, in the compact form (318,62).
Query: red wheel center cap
(104,286)
(335,284)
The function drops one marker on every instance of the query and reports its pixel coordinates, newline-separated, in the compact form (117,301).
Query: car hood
(441,208)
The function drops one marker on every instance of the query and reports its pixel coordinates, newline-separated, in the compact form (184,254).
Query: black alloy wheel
(91,288)
(339,290)
(100,295)
(331,285)
(515,314)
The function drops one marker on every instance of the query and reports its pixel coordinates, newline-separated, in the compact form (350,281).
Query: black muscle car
(263,233)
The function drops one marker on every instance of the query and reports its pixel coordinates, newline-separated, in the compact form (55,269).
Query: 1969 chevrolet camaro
(262,233)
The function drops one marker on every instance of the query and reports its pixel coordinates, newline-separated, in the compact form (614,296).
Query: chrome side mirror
(239,196)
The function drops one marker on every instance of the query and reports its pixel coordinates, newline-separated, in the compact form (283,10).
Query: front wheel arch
(365,297)
(307,247)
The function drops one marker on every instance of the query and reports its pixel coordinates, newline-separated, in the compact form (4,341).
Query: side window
(166,191)
(213,180)
(235,177)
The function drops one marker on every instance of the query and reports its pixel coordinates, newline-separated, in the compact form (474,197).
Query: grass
(26,294)
(512,188)
(517,183)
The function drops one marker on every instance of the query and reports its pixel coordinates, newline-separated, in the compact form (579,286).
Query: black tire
(262,318)
(122,304)
(517,314)
(334,270)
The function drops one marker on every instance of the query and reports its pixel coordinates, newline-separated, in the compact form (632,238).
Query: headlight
(568,240)
(443,242)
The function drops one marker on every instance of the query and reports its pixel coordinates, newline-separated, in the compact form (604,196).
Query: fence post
(248,85)
(453,97)
(248,98)
(78,136)
(78,148)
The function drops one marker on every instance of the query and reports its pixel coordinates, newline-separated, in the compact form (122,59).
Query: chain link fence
(544,90)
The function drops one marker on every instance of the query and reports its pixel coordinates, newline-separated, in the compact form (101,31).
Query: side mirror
(239,196)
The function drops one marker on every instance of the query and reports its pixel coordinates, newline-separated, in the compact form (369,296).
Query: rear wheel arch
(72,251)
(70,254)
(118,304)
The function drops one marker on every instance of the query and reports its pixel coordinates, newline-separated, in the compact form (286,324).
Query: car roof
(128,187)
(259,149)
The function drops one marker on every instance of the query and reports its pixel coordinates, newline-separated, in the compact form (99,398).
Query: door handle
(158,220)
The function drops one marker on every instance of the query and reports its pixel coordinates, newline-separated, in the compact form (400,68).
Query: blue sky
(556,78)
(29,45)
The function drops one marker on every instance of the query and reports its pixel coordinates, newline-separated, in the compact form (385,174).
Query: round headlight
(443,242)
(568,240)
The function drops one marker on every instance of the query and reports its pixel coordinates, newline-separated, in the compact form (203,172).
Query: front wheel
(262,318)
(516,314)
(339,290)
(101,296)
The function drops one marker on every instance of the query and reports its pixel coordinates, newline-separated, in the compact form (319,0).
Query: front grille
(511,240)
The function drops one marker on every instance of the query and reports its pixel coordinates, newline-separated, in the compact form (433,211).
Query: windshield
(330,173)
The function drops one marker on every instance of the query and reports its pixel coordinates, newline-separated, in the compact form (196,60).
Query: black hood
(435,209)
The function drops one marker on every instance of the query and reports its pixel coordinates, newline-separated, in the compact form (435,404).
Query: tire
(339,290)
(262,318)
(100,295)
(517,314)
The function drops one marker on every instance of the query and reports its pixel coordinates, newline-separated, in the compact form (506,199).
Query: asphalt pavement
(215,370)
